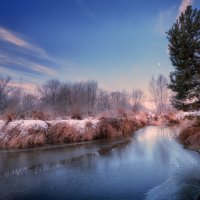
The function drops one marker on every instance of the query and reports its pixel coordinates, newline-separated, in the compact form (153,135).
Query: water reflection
(151,165)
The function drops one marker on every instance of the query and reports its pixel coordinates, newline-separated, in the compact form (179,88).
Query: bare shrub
(106,131)
(190,136)
(31,140)
(87,136)
(171,119)
(110,128)
(122,113)
(76,112)
(62,132)
(9,116)
(76,116)
(41,115)
(88,125)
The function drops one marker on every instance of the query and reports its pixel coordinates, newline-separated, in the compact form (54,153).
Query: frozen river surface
(150,165)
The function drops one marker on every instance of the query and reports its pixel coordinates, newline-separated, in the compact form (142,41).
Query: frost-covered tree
(4,81)
(159,93)
(184,49)
(119,100)
(137,99)
(103,102)
(29,103)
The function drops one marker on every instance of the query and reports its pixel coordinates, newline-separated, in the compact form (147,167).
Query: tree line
(78,98)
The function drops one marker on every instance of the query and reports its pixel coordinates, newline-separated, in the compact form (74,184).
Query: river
(151,165)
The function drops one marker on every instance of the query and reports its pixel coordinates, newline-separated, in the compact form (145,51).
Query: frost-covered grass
(190,135)
(188,114)
(22,133)
(163,119)
(79,125)
(33,133)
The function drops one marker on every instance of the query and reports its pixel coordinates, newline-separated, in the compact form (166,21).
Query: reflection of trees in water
(35,169)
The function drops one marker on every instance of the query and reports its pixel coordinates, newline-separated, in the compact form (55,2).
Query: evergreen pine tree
(184,49)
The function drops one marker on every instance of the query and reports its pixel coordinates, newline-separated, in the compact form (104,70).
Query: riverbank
(190,134)
(37,133)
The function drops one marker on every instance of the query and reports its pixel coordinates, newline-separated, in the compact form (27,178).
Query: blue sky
(119,43)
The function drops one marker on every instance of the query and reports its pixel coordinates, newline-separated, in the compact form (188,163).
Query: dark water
(151,165)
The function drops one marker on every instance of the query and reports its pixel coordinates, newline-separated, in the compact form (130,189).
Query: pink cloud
(6,58)
(28,87)
(14,39)
(184,5)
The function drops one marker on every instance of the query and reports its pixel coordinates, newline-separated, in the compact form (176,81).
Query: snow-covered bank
(34,133)
(182,115)
(190,135)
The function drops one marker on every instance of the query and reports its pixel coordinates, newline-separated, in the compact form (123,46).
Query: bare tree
(137,99)
(103,102)
(4,81)
(14,100)
(29,103)
(49,93)
(159,93)
(120,100)
(65,98)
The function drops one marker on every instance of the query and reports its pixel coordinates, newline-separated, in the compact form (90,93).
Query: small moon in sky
(159,64)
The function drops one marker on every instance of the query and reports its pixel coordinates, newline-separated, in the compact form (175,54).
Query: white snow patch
(2,124)
(79,125)
(185,114)
(25,125)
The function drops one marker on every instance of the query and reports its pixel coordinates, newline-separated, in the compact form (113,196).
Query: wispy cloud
(167,17)
(15,75)
(16,40)
(26,58)
(184,5)
(6,59)
(29,87)
(165,20)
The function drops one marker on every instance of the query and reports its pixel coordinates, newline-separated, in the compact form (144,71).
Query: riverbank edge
(25,134)
(189,135)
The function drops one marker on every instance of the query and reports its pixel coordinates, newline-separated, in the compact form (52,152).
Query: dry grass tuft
(122,113)
(110,128)
(190,136)
(9,116)
(31,140)
(76,116)
(16,137)
(171,119)
(26,134)
(62,132)
(40,115)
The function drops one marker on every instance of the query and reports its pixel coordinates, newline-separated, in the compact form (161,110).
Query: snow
(24,125)
(79,125)
(193,100)
(185,114)
(2,124)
